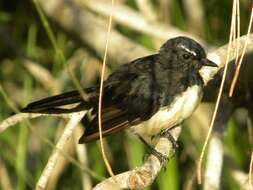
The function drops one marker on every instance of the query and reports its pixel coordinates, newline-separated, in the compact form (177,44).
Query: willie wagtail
(147,95)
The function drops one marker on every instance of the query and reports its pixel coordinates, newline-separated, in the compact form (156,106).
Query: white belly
(180,109)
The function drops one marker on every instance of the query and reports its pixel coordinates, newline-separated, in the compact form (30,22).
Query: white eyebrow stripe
(190,51)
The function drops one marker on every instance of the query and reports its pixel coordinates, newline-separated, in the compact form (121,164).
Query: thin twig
(200,160)
(68,131)
(62,161)
(236,75)
(237,32)
(81,151)
(108,166)
(17,118)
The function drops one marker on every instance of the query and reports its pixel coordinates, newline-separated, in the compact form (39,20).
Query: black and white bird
(148,95)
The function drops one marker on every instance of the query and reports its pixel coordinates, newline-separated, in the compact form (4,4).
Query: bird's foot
(166,133)
(161,157)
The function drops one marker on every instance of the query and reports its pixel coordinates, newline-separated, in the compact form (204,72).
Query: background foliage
(24,151)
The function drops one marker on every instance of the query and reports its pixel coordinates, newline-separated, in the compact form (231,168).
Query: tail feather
(52,104)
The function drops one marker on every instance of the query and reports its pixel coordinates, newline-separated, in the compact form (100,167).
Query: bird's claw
(166,133)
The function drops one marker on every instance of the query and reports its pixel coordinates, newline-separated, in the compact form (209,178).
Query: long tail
(53,104)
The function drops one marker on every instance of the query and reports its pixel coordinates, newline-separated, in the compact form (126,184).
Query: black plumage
(136,91)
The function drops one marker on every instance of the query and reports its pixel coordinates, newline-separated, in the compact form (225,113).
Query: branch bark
(68,131)
(144,175)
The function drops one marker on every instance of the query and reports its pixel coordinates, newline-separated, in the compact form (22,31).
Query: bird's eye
(186,56)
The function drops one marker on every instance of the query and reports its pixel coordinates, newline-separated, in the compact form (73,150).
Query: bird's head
(184,54)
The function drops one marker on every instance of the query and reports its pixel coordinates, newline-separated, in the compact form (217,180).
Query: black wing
(128,99)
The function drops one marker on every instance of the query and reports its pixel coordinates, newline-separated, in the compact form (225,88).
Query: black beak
(207,62)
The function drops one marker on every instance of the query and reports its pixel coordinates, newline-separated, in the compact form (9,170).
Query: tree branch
(68,131)
(144,175)
(132,19)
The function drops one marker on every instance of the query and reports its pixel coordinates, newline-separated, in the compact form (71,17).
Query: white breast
(181,108)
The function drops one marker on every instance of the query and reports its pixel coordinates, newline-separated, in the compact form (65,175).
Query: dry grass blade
(232,32)
(57,50)
(237,35)
(236,75)
(108,166)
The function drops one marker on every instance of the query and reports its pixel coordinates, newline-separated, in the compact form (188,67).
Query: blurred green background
(31,68)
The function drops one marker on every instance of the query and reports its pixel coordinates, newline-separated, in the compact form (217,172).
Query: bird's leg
(161,157)
(166,133)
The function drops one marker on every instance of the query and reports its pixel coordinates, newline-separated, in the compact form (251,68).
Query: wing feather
(127,100)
